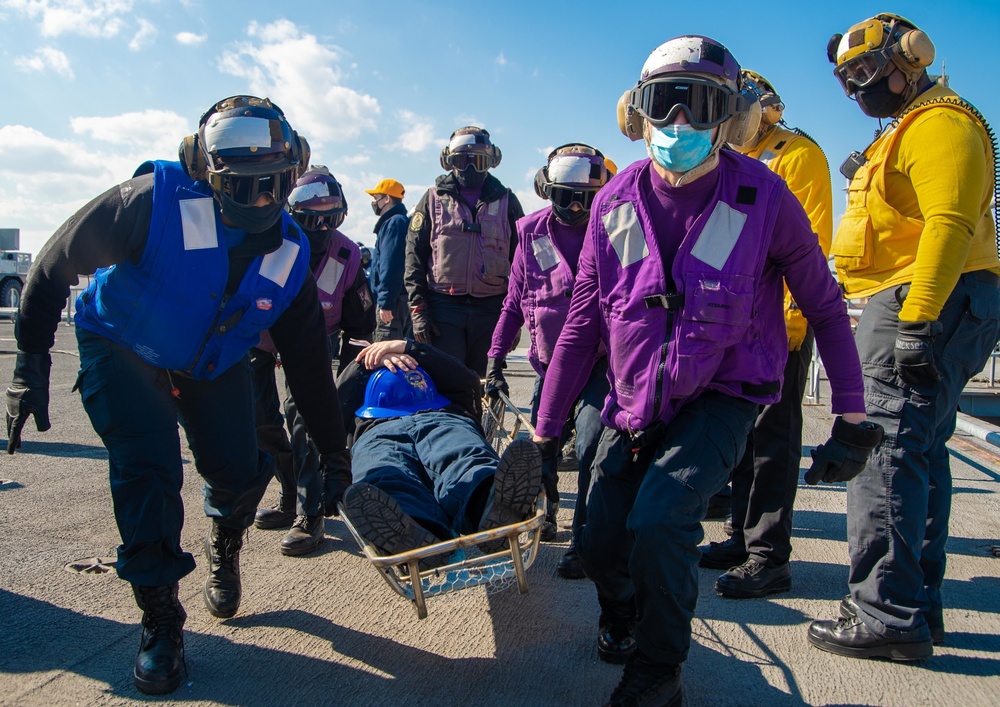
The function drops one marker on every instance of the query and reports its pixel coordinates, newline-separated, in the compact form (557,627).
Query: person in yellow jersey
(919,241)
(766,478)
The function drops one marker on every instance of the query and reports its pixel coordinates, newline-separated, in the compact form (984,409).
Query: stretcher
(468,565)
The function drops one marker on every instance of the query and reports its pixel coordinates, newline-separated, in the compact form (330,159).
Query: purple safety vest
(470,255)
(334,274)
(723,331)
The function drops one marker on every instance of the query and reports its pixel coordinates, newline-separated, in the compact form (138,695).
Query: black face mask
(252,219)
(569,217)
(877,101)
(469,178)
(376,208)
(319,240)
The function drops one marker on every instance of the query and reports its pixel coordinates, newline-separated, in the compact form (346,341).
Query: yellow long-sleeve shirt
(918,210)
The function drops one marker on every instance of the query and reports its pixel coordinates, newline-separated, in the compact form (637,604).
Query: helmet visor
(245,189)
(316,220)
(564,197)
(706,104)
(480,161)
(862,71)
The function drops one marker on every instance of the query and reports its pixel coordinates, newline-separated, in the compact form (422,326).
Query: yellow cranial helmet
(770,101)
(864,53)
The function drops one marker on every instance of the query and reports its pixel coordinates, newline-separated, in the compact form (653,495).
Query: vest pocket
(716,312)
(853,247)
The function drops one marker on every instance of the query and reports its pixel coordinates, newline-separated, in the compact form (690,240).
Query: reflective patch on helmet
(717,240)
(328,279)
(682,49)
(625,234)
(545,253)
(569,169)
(198,223)
(417,221)
(277,266)
(309,191)
(237,132)
(465,140)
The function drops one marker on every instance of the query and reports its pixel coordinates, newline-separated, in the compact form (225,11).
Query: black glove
(843,456)
(550,473)
(495,381)
(424,328)
(914,352)
(28,394)
(336,478)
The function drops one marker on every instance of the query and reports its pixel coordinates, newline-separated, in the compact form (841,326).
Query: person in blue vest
(541,284)
(308,491)
(193,260)
(459,248)
(680,278)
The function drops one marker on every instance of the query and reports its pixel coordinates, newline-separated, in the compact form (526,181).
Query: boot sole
(614,657)
(516,485)
(382,522)
(784,585)
(156,687)
(920,650)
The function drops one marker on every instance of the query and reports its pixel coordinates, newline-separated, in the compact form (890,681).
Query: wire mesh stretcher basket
(468,565)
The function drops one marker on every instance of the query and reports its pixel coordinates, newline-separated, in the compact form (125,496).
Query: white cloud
(303,77)
(418,133)
(155,133)
(89,18)
(144,37)
(46,58)
(190,38)
(501,60)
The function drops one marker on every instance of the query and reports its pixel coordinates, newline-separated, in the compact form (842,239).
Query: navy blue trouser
(466,324)
(767,477)
(132,408)
(401,327)
(436,465)
(644,517)
(898,508)
(271,435)
(585,418)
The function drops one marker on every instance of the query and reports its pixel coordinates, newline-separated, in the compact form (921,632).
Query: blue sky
(94,87)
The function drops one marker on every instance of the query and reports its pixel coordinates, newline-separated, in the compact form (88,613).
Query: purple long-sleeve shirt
(793,253)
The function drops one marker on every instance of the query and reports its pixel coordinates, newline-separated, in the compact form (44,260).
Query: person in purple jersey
(680,277)
(541,284)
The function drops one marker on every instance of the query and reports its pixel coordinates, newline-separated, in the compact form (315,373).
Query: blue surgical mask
(679,148)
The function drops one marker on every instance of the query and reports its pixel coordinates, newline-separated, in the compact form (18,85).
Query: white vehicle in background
(14,266)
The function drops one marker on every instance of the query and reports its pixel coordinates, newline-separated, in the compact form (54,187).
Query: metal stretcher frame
(502,423)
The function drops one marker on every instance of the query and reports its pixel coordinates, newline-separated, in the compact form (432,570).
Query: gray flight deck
(327,630)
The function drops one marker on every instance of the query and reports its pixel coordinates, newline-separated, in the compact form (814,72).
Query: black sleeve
(357,317)
(112,228)
(514,212)
(453,379)
(418,251)
(300,337)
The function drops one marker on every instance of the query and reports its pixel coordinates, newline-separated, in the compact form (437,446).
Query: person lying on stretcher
(423,471)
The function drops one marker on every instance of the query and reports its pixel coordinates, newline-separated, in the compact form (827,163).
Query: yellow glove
(795,324)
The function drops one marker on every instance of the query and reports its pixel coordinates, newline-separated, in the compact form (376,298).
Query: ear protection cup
(497,155)
(304,154)
(192,159)
(743,126)
(444,159)
(772,114)
(916,48)
(541,181)
(629,121)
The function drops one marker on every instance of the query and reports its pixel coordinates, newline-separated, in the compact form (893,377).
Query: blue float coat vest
(171,308)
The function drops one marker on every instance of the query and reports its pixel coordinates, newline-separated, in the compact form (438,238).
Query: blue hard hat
(401,393)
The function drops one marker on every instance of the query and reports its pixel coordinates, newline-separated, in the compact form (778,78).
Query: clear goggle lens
(862,71)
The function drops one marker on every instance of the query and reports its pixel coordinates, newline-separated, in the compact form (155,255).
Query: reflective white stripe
(569,170)
(198,223)
(767,156)
(545,253)
(241,131)
(464,140)
(277,266)
(674,52)
(625,234)
(719,236)
(332,272)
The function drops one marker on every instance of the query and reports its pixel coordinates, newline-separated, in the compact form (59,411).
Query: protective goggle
(564,197)
(705,103)
(318,220)
(245,189)
(863,70)
(480,161)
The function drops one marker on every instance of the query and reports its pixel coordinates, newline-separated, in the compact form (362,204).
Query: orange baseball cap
(388,186)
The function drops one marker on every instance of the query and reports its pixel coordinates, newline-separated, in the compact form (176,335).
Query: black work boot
(278,516)
(161,652)
(615,642)
(648,684)
(549,531)
(516,485)
(305,536)
(569,566)
(223,590)
(724,555)
(337,476)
